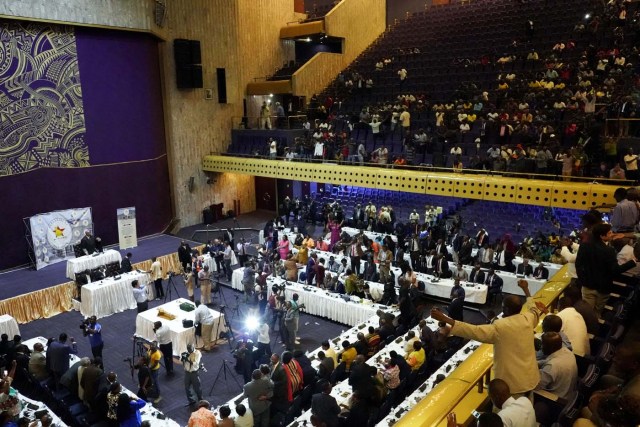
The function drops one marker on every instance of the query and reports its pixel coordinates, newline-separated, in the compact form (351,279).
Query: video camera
(276,288)
(84,324)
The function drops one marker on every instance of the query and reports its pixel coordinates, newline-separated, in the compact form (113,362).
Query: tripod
(223,370)
(230,334)
(138,350)
(170,284)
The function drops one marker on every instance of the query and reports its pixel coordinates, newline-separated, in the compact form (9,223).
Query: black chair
(338,374)
(306,395)
(588,381)
(294,410)
(570,412)
(389,339)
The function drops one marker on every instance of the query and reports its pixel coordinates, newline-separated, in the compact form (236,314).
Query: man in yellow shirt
(348,355)
(416,358)
(154,354)
(514,356)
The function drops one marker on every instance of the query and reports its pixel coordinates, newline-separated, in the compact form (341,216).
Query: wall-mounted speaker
(189,76)
(187,57)
(191,184)
(221,74)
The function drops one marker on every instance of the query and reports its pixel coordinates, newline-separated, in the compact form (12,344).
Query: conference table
(509,280)
(148,412)
(180,336)
(89,262)
(346,309)
(371,235)
(9,326)
(111,295)
(32,407)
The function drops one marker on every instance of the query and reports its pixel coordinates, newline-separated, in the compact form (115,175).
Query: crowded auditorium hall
(411,213)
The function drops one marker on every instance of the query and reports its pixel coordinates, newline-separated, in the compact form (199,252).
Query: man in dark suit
(398,256)
(541,272)
(525,268)
(259,392)
(125,265)
(279,400)
(358,216)
(464,254)
(442,267)
(494,282)
(58,355)
(476,275)
(456,306)
(184,255)
(441,247)
(90,379)
(88,243)
(324,406)
(326,366)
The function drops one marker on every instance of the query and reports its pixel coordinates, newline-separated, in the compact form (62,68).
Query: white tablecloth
(319,302)
(370,234)
(9,326)
(109,296)
(207,260)
(509,280)
(89,262)
(148,412)
(474,293)
(179,336)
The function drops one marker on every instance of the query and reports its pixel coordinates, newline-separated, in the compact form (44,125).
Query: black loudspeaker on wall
(221,73)
(187,58)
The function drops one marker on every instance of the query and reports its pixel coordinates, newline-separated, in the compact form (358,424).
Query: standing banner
(127,234)
(54,234)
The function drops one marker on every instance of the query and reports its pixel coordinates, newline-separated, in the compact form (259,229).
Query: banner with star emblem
(54,234)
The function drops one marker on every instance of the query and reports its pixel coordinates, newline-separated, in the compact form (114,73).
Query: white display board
(127,233)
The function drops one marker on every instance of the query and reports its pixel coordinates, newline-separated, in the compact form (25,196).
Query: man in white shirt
(559,371)
(513,412)
(204,317)
(140,295)
(163,337)
(273,149)
(574,327)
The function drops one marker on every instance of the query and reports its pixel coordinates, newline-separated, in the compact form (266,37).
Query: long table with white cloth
(111,295)
(89,262)
(148,412)
(180,336)
(9,326)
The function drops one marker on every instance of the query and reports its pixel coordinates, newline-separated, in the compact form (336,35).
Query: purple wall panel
(120,77)
(122,99)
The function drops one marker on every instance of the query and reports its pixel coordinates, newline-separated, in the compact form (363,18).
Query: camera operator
(191,363)
(189,282)
(217,252)
(248,281)
(140,295)
(204,277)
(204,317)
(163,337)
(91,328)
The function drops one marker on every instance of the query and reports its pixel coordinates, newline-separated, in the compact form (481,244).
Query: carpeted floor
(118,329)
